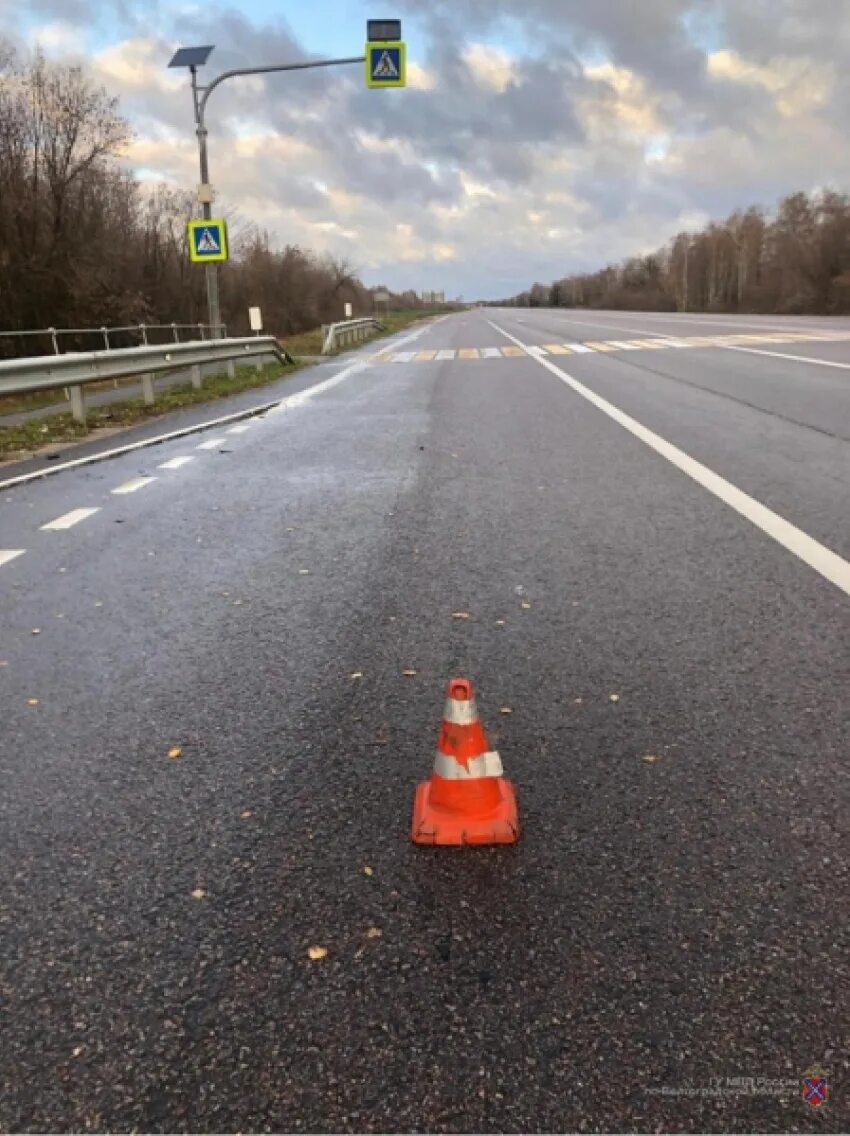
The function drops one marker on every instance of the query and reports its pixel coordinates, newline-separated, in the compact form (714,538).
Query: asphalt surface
(666,949)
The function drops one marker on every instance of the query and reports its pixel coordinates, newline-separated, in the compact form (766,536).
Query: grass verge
(28,437)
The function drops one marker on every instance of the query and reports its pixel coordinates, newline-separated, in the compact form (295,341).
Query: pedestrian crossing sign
(386,64)
(208,240)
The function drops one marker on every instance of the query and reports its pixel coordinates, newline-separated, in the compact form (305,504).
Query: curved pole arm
(208,90)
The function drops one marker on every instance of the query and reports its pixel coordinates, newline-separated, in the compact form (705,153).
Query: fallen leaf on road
(303,571)
(98,603)
(317,953)
(36,631)
(460,615)
(199,893)
(238,603)
(357,674)
(578,701)
(614,697)
(32,702)
(505,710)
(246,813)
(77,1050)
(367,871)
(374,933)
(650,758)
(175,751)
(4,662)
(526,604)
(500,622)
(408,672)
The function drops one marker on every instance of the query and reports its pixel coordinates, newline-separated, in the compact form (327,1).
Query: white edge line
(264,408)
(824,561)
(785,355)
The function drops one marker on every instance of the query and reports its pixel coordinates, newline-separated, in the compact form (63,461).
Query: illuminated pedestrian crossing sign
(386,64)
(208,240)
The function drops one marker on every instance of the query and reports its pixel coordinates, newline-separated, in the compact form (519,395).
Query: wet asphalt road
(666,929)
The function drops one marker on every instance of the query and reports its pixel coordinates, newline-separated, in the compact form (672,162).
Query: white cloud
(491,67)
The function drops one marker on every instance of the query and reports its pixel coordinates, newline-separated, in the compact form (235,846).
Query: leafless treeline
(82,244)
(796,261)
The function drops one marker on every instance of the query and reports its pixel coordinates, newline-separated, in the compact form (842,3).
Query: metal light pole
(194,57)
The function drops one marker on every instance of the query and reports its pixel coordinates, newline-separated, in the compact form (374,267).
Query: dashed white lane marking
(7,554)
(240,427)
(579,348)
(446,353)
(176,463)
(828,563)
(211,444)
(784,355)
(133,485)
(68,520)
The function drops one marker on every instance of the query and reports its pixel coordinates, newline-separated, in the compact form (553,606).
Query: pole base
(435,825)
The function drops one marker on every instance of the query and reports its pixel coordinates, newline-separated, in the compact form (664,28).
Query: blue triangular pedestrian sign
(207,242)
(385,68)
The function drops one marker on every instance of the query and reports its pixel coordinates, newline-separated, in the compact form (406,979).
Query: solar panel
(191,56)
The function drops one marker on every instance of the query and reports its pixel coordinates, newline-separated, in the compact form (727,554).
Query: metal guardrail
(102,334)
(75,369)
(347,332)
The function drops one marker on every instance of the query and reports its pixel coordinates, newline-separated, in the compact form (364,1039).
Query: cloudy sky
(535,137)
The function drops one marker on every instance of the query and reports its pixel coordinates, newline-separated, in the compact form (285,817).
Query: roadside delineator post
(467,800)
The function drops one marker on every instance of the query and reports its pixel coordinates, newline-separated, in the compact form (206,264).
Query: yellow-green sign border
(401,81)
(204,223)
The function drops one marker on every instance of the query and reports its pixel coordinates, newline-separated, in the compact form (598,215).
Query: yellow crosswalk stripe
(512,352)
(600,346)
(468,353)
(425,356)
(646,343)
(556,349)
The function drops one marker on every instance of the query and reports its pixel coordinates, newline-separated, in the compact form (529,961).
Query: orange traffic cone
(467,800)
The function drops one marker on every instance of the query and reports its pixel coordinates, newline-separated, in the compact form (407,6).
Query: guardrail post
(231,369)
(196,376)
(174,333)
(201,330)
(78,404)
(148,393)
(258,364)
(144,332)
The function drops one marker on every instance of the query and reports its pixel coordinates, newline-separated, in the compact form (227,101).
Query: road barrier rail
(74,370)
(347,333)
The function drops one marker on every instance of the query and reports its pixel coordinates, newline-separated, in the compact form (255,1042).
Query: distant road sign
(382,297)
(386,64)
(208,240)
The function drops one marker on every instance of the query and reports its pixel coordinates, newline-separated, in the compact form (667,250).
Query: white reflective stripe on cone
(460,713)
(485,765)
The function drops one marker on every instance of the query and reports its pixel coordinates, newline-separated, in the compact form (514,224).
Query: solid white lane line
(491,353)
(241,427)
(67,520)
(7,554)
(785,355)
(828,563)
(579,348)
(176,463)
(211,444)
(445,354)
(133,485)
